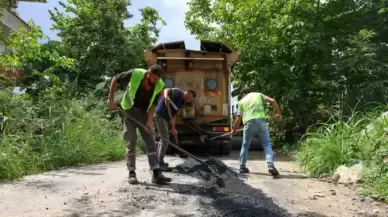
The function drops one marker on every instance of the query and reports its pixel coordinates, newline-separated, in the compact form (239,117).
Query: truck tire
(225,148)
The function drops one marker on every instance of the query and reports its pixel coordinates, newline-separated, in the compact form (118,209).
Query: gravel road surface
(103,190)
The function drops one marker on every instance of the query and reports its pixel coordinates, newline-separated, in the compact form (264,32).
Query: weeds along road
(103,190)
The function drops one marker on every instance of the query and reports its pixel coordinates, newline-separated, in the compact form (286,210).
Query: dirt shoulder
(102,190)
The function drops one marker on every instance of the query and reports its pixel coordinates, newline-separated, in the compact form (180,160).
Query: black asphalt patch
(236,199)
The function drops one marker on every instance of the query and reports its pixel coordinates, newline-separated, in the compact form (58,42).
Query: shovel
(226,134)
(220,181)
(203,138)
(170,102)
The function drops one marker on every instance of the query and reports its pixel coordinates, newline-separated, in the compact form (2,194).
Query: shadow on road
(206,152)
(310,214)
(226,204)
(255,155)
(235,200)
(282,175)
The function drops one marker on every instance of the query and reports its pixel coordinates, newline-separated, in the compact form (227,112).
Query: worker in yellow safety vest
(142,91)
(251,111)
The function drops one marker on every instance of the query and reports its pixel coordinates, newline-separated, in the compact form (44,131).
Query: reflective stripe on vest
(252,107)
(130,92)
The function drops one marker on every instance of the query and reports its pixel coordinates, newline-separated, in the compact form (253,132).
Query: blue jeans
(252,128)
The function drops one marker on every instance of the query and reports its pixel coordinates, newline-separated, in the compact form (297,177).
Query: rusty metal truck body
(208,72)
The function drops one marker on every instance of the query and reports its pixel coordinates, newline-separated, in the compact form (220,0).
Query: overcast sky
(172,11)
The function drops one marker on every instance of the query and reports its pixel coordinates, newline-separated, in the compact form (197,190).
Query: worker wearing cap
(251,111)
(174,98)
(142,91)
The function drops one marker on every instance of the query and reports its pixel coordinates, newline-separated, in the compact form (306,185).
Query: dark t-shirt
(176,95)
(142,97)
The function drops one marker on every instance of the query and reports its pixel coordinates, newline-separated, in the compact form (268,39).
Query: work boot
(163,166)
(132,178)
(159,179)
(244,170)
(273,171)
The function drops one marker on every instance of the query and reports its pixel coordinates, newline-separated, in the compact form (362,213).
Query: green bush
(348,141)
(54,133)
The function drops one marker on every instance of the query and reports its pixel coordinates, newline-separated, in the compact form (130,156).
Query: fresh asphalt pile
(236,199)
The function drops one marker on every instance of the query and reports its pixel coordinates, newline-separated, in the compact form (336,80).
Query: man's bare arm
(112,89)
(172,122)
(111,95)
(274,104)
(237,123)
(166,92)
(151,113)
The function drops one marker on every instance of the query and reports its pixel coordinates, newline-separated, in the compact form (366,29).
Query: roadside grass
(362,137)
(56,133)
(288,150)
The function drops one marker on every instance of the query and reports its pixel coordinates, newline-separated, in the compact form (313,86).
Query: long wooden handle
(169,109)
(226,134)
(172,103)
(168,141)
(170,115)
(132,119)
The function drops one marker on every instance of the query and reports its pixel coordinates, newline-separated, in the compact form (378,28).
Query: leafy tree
(94,34)
(312,56)
(37,64)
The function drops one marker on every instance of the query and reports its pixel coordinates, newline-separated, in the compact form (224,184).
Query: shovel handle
(170,115)
(226,134)
(169,109)
(168,141)
(172,103)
